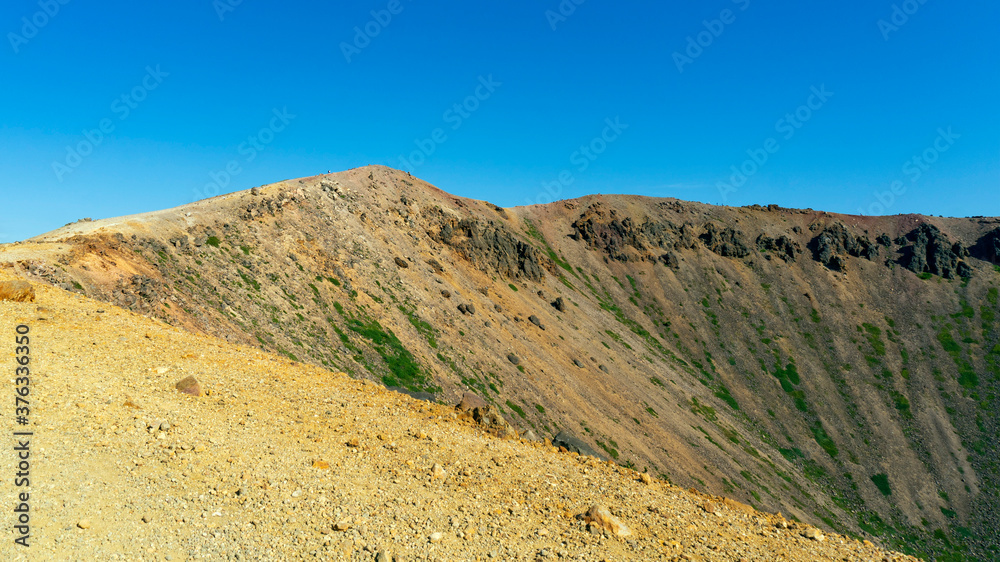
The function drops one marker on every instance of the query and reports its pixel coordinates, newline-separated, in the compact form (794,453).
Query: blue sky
(876,107)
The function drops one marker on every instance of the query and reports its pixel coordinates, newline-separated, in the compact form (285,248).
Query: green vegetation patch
(403,369)
(823,439)
(874,335)
(882,483)
(422,326)
(517,409)
(967,376)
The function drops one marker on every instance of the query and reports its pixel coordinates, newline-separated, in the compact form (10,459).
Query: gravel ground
(281,460)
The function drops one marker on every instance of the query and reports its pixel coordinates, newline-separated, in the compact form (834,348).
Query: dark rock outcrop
(559,304)
(832,246)
(987,248)
(783,246)
(670,260)
(727,242)
(932,252)
(488,244)
(603,229)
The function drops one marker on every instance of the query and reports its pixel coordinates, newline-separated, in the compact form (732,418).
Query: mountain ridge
(772,354)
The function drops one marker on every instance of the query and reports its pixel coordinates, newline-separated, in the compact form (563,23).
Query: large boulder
(470,402)
(493,422)
(574,444)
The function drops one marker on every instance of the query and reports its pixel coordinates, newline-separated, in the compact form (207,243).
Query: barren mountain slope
(283,460)
(842,370)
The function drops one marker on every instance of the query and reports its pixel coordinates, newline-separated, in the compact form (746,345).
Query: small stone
(712,508)
(342,525)
(383,556)
(436,537)
(147,518)
(514,359)
(321,465)
(601,517)
(402,263)
(165,426)
(446,294)
(438,471)
(646,478)
(84,524)
(354,442)
(559,305)
(814,534)
(162,370)
(189,385)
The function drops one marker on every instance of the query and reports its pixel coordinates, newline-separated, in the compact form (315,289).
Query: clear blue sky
(922,84)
